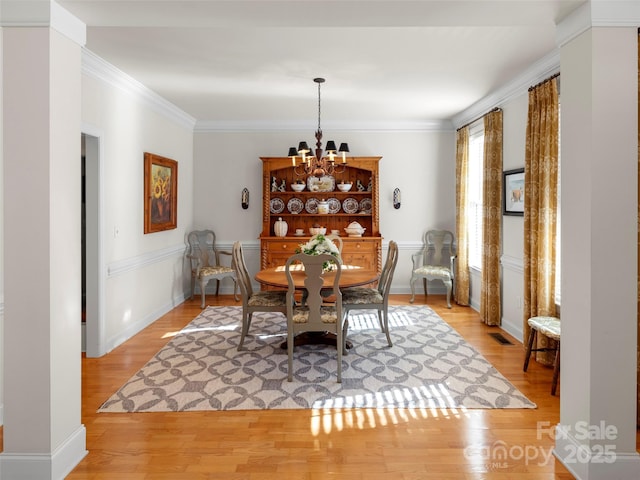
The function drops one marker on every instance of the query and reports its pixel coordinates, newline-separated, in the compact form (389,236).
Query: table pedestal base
(315,338)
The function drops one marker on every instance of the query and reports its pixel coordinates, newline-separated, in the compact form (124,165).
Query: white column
(596,437)
(43,434)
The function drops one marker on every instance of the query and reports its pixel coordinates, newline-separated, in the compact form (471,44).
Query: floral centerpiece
(318,245)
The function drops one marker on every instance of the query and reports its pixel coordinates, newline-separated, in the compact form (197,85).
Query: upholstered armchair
(435,262)
(205,263)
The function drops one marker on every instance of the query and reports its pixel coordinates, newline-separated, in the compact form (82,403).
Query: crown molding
(543,68)
(211,126)
(96,67)
(42,13)
(598,13)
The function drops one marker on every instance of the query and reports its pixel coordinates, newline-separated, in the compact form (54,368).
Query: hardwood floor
(359,444)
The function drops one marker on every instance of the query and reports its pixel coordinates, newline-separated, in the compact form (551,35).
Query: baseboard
(515,330)
(143,323)
(55,466)
(584,465)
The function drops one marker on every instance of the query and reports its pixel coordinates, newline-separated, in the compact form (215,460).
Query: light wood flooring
(358,444)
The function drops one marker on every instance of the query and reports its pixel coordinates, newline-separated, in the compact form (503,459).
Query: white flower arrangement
(318,245)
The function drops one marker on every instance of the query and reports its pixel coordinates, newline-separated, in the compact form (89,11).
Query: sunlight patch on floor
(335,415)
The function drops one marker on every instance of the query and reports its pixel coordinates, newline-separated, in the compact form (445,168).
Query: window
(474,194)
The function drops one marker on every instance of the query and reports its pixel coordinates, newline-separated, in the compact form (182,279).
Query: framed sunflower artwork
(160,193)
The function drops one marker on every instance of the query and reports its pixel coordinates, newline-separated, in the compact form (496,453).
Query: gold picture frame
(160,193)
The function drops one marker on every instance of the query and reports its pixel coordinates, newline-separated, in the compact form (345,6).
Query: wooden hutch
(294,207)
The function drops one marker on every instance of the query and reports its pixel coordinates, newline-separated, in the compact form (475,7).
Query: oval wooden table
(352,276)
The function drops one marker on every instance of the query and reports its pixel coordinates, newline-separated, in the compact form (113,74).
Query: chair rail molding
(120,267)
(513,264)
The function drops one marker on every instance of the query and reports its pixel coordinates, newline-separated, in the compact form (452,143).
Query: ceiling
(252,62)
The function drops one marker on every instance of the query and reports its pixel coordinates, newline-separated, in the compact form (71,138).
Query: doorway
(92,271)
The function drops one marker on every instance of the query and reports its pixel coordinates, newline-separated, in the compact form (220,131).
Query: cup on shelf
(299,231)
(335,232)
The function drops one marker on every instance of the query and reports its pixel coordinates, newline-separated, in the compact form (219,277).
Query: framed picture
(160,193)
(513,192)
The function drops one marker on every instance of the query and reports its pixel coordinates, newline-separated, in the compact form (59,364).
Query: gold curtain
(540,209)
(490,311)
(462,261)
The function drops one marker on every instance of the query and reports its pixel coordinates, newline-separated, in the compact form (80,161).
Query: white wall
(515,124)
(144,274)
(420,163)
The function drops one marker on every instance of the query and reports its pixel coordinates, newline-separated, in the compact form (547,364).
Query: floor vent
(501,338)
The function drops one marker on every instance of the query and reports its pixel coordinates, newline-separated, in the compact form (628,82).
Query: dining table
(351,276)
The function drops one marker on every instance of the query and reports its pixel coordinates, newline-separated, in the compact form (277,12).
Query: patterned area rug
(429,366)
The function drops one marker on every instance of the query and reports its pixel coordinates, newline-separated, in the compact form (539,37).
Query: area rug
(429,366)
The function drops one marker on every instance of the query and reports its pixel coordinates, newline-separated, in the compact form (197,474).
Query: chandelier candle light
(317,164)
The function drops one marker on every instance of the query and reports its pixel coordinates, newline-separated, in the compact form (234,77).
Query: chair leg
(424,284)
(290,342)
(246,323)
(448,285)
(556,371)
(339,342)
(385,327)
(345,329)
(203,288)
(413,290)
(532,337)
(235,290)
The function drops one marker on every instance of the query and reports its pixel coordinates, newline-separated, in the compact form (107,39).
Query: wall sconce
(245,198)
(396,198)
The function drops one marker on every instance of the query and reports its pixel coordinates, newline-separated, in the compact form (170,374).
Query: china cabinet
(296,200)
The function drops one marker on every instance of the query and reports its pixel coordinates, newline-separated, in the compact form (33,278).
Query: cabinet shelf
(321,216)
(306,193)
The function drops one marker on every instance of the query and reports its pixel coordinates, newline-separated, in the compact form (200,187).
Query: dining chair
(315,315)
(435,261)
(337,240)
(370,298)
(260,301)
(205,263)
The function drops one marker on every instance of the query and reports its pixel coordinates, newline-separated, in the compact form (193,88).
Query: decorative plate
(325,183)
(295,205)
(276,205)
(350,205)
(334,205)
(365,205)
(312,205)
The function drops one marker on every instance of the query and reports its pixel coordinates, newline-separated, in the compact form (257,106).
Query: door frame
(95,270)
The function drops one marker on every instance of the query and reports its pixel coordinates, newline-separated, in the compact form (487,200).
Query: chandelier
(314,163)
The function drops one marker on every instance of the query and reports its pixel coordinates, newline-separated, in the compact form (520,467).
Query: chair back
(386,276)
(202,248)
(311,266)
(239,265)
(337,240)
(439,248)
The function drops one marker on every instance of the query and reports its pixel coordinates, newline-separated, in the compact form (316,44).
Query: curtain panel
(540,210)
(490,310)
(461,293)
